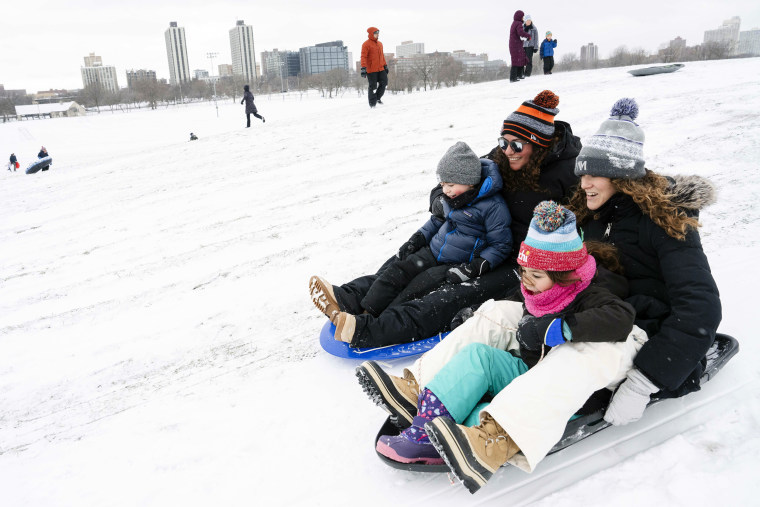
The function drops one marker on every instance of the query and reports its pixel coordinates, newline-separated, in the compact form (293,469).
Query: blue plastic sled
(341,349)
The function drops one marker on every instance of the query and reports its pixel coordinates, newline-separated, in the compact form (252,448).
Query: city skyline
(133,39)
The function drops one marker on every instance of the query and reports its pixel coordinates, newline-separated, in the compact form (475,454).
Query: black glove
(416,242)
(364,71)
(534,332)
(462,315)
(464,272)
(385,68)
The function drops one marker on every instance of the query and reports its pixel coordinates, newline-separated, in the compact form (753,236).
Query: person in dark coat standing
(250,107)
(42,154)
(516,51)
(536,158)
(374,67)
(530,45)
(12,165)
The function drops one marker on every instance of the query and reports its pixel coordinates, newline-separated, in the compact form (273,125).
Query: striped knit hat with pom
(534,119)
(552,243)
(617,148)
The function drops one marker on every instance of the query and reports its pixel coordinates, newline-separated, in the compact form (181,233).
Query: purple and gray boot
(413,444)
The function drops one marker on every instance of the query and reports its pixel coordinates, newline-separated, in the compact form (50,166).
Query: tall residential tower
(176,52)
(243,53)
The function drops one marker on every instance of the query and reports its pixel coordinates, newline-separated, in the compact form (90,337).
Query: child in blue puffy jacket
(473,238)
(546,52)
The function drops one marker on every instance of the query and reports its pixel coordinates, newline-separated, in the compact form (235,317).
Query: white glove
(630,399)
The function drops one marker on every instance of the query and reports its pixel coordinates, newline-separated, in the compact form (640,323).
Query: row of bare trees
(623,57)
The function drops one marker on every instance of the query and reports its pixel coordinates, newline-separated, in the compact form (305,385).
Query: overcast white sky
(43,43)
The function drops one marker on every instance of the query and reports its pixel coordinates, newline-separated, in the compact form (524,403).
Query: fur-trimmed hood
(692,192)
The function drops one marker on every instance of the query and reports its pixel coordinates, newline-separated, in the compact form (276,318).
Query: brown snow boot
(472,454)
(398,396)
(323,297)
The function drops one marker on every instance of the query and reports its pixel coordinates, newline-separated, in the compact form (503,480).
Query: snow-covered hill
(157,340)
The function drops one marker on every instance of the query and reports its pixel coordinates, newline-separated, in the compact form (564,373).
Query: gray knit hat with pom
(459,165)
(617,148)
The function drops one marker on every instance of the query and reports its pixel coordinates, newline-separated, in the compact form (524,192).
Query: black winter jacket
(676,299)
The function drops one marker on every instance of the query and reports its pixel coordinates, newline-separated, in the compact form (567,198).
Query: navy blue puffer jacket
(479,229)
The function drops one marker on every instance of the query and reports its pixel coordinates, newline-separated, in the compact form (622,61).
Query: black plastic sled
(723,349)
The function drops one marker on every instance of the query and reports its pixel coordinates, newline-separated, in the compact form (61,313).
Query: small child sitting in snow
(193,137)
(474,237)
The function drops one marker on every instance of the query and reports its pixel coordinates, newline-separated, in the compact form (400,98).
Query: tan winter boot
(473,454)
(398,396)
(345,327)
(323,297)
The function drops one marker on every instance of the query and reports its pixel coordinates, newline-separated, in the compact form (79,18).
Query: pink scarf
(558,297)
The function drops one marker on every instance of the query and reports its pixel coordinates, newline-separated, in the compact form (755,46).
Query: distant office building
(280,61)
(673,49)
(589,54)
(134,76)
(409,48)
(225,69)
(200,74)
(409,64)
(99,74)
(92,61)
(727,33)
(323,57)
(749,42)
(176,53)
(243,51)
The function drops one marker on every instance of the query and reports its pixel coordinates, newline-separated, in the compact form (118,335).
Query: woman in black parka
(250,107)
(652,221)
(536,158)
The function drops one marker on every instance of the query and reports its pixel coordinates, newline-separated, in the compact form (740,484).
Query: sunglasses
(517,146)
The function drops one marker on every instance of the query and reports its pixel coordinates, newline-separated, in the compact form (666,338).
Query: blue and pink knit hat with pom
(617,148)
(552,243)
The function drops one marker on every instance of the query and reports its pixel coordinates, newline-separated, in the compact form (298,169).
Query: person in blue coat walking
(546,52)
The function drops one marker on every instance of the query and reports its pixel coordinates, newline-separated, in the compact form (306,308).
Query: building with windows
(225,69)
(409,48)
(749,42)
(176,53)
(243,51)
(589,54)
(280,61)
(97,74)
(727,33)
(323,57)
(134,76)
(200,74)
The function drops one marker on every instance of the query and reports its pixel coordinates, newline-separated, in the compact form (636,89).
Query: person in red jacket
(374,67)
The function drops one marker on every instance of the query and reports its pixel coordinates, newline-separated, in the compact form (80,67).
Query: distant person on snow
(546,52)
(42,154)
(516,51)
(374,67)
(193,137)
(472,236)
(530,46)
(250,107)
(12,165)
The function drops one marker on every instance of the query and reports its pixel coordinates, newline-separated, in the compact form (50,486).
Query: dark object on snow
(660,69)
(41,164)
(723,349)
(193,137)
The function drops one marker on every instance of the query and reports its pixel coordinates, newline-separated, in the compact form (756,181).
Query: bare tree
(451,71)
(93,95)
(569,62)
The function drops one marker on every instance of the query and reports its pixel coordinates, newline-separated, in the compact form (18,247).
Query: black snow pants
(548,64)
(377,80)
(425,308)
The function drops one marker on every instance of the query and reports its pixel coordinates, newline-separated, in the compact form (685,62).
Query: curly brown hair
(527,177)
(651,195)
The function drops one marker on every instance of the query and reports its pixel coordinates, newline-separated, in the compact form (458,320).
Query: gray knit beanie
(617,148)
(459,165)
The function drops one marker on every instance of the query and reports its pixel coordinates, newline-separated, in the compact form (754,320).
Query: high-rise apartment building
(589,54)
(176,53)
(95,73)
(727,33)
(408,49)
(225,69)
(135,76)
(323,57)
(243,51)
(749,42)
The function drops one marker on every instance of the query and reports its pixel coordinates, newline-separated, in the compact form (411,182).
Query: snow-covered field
(157,342)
